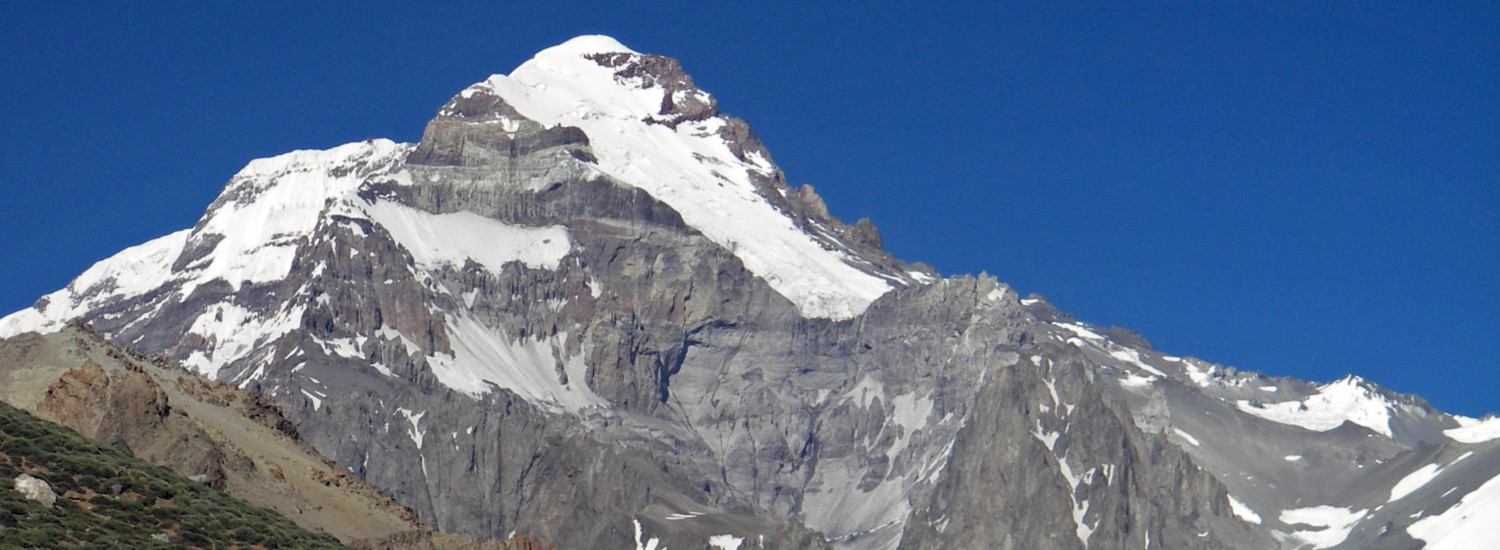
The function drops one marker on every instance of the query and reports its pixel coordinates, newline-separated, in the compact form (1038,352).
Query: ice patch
(392,334)
(1125,354)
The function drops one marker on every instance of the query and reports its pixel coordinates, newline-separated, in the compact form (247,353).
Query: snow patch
(437,240)
(415,419)
(725,542)
(1242,511)
(1346,400)
(910,413)
(1474,431)
(1468,525)
(1331,525)
(1047,438)
(483,356)
(641,542)
(1134,358)
(1199,374)
(1414,481)
(1186,437)
(233,332)
(1136,381)
(316,401)
(1079,330)
(1080,507)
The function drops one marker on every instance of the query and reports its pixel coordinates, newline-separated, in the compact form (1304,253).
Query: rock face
(35,490)
(588,306)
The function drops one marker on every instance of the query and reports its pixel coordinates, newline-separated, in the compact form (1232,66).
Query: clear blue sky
(1302,191)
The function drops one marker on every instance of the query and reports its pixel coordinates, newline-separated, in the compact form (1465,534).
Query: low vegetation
(109,499)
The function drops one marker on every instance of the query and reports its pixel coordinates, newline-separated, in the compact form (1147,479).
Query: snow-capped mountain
(589,306)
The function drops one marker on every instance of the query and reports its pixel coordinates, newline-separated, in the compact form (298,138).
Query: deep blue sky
(1303,191)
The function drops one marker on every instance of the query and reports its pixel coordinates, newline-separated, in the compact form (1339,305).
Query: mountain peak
(646,125)
(586,44)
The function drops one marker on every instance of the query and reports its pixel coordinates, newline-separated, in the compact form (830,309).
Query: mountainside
(589,306)
(222,437)
(95,497)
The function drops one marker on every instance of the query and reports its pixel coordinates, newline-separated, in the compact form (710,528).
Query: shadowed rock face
(644,381)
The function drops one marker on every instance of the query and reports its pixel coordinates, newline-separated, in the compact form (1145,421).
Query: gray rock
(35,490)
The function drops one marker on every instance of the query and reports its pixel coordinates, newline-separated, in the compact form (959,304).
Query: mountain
(589,306)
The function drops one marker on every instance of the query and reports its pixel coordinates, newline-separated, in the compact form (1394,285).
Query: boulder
(35,489)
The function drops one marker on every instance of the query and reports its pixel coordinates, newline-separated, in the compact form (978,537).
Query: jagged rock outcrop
(1117,488)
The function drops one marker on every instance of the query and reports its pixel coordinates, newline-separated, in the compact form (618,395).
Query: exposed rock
(35,490)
